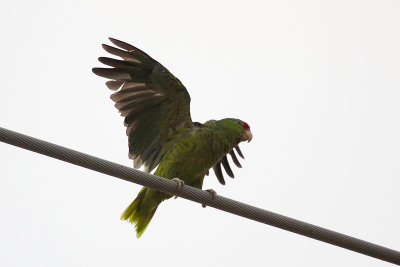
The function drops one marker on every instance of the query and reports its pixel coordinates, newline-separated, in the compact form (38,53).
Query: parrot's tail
(140,212)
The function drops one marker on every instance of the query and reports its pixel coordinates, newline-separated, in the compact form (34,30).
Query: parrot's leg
(179,183)
(213,193)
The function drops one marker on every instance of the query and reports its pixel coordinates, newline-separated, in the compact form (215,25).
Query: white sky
(318,82)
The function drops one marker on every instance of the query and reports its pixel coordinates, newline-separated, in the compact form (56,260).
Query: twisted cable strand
(200,196)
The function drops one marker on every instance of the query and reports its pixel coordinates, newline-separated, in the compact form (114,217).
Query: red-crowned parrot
(156,107)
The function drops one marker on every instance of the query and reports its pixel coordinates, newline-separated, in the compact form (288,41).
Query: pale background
(318,82)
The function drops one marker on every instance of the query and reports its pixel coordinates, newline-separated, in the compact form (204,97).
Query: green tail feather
(140,213)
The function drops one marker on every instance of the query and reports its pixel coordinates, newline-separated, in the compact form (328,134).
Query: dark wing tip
(234,159)
(114,85)
(114,41)
(239,151)
(105,46)
(227,168)
(102,72)
(121,44)
(113,74)
(113,50)
(96,71)
(102,59)
(218,173)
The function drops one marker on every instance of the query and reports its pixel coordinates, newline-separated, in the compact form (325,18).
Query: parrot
(156,110)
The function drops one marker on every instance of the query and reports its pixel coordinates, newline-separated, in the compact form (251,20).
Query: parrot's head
(239,128)
(247,135)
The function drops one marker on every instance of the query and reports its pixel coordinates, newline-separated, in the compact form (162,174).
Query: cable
(200,196)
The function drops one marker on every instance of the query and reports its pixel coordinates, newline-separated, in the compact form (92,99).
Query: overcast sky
(318,82)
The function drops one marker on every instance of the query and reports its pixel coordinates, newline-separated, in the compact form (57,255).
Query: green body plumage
(156,107)
(189,157)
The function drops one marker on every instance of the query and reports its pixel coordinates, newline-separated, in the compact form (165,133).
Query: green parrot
(156,108)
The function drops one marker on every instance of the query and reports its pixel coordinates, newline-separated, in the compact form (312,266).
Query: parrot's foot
(179,183)
(213,193)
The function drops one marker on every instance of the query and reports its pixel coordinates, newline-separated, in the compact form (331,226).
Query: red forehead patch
(245,125)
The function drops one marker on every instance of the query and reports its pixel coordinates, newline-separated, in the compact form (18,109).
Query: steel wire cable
(200,196)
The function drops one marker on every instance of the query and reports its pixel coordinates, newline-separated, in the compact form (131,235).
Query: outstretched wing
(154,102)
(224,161)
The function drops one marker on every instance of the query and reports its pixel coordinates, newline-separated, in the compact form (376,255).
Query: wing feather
(235,159)
(239,151)
(227,168)
(114,85)
(224,161)
(218,173)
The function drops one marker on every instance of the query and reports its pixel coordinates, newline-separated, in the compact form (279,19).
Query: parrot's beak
(247,136)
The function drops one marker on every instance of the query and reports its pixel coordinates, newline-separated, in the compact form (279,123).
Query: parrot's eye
(245,125)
